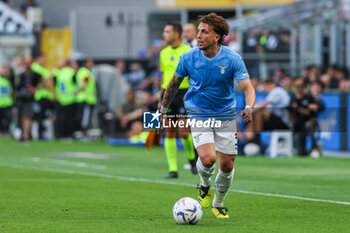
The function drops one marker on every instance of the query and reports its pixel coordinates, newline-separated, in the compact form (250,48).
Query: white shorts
(224,138)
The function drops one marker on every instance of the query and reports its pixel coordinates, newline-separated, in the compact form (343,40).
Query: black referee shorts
(177,107)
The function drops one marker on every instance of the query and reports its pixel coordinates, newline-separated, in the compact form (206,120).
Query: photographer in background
(316,90)
(303,110)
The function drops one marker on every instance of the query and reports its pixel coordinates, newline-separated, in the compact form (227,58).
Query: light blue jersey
(211,93)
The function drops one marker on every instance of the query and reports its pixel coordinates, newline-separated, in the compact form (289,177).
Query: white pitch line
(169,182)
(68,163)
(291,197)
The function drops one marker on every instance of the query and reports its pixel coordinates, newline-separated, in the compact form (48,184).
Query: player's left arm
(170,92)
(249,92)
(241,75)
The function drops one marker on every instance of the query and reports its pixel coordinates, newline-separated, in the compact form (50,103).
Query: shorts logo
(222,69)
(196,138)
(151,120)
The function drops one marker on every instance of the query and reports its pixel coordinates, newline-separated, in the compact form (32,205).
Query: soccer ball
(187,211)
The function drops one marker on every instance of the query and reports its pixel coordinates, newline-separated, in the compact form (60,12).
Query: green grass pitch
(43,188)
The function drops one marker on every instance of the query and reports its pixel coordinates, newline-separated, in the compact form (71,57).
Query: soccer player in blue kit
(212,68)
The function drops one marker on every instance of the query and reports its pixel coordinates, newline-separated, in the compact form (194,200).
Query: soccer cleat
(220,212)
(171,175)
(204,195)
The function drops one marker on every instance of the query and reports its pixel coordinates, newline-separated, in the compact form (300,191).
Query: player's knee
(208,161)
(227,167)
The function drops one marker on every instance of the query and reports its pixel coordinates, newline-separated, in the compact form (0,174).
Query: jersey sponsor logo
(172,58)
(222,69)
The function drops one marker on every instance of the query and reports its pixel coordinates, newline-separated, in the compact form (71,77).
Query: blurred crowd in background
(66,96)
(61,101)
(24,78)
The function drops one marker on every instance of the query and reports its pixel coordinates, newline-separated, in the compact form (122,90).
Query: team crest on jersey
(222,69)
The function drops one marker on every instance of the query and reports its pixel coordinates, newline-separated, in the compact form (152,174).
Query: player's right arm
(174,84)
(170,92)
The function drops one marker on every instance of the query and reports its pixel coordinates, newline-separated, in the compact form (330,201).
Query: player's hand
(248,116)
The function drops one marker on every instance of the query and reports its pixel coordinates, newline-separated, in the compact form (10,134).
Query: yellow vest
(87,95)
(41,93)
(65,87)
(169,58)
(6,99)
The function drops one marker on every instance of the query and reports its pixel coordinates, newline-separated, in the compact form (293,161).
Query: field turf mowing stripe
(35,201)
(169,182)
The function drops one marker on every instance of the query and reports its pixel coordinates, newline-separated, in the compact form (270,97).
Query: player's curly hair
(218,24)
